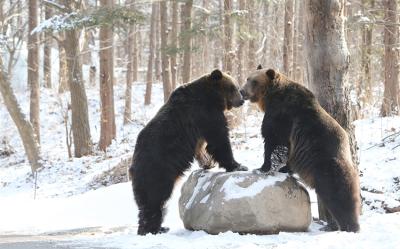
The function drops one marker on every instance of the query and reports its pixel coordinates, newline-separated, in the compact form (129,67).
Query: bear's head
(227,88)
(257,84)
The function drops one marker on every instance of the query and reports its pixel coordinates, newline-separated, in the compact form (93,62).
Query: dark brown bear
(192,120)
(319,150)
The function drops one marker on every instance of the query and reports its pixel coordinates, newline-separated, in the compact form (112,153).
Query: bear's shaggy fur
(192,120)
(319,150)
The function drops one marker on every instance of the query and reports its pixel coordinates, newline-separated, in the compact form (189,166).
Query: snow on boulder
(244,202)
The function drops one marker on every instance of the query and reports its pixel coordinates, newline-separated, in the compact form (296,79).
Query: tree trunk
(288,38)
(299,63)
(107,122)
(275,43)
(25,128)
(129,75)
(391,104)
(328,62)
(164,56)
(241,46)
(157,60)
(204,60)
(266,39)
(62,73)
(186,42)
(365,87)
(47,52)
(174,45)
(132,68)
(33,69)
(228,55)
(79,106)
(252,32)
(149,75)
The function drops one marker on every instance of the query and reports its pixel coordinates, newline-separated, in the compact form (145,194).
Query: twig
(396,146)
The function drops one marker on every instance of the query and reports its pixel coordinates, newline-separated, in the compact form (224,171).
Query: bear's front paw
(265,168)
(241,168)
(285,169)
(236,167)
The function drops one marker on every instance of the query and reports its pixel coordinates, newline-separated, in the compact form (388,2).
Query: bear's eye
(253,83)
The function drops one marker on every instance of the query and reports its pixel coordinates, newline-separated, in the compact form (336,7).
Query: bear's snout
(244,94)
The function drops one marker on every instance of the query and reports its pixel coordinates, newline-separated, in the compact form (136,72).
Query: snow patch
(233,190)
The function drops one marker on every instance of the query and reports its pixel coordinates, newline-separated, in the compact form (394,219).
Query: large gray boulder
(244,202)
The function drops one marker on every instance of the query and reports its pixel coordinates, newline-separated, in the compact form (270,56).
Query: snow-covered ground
(64,199)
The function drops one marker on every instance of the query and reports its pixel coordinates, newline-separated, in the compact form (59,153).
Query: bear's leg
(151,198)
(339,194)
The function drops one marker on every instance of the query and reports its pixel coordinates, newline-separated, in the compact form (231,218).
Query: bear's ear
(259,67)
(216,74)
(271,74)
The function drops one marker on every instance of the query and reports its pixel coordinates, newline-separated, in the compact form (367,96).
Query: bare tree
(391,103)
(149,75)
(186,40)
(328,62)
(288,37)
(33,68)
(164,57)
(107,122)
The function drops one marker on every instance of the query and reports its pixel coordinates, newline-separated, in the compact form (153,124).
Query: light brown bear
(319,150)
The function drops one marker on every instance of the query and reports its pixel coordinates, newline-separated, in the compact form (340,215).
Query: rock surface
(244,202)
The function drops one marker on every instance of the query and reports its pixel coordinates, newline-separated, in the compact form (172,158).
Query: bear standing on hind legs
(318,147)
(167,145)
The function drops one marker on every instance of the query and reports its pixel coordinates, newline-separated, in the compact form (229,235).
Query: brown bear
(191,124)
(318,147)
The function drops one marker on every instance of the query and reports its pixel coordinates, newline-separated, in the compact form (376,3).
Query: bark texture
(174,43)
(33,68)
(228,55)
(107,122)
(186,41)
(164,57)
(47,52)
(79,106)
(288,37)
(149,74)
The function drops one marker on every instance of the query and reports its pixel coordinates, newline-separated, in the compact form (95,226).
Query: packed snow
(233,190)
(66,200)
